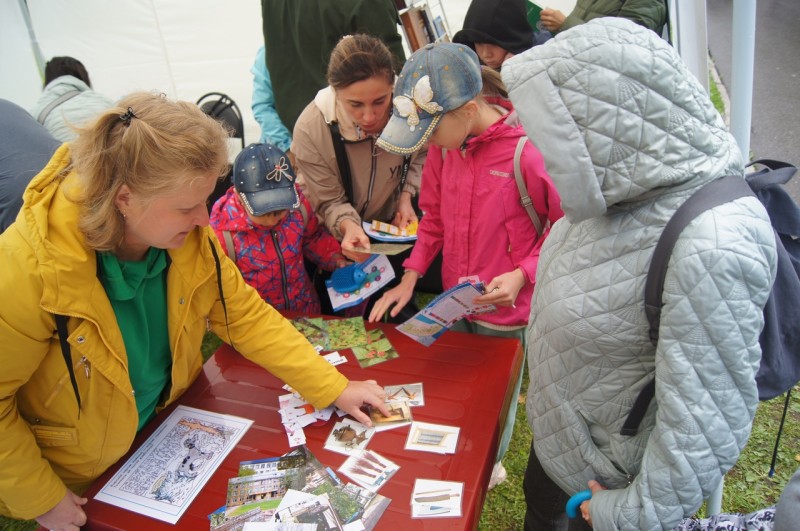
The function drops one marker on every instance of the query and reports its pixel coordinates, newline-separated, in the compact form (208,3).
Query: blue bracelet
(576,500)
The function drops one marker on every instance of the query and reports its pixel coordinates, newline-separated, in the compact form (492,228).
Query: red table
(467,382)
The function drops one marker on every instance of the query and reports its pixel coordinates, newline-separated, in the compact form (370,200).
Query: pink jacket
(473,213)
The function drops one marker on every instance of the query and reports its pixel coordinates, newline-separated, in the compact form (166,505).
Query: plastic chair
(223,109)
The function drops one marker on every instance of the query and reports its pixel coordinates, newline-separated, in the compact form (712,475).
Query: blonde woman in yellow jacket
(114,235)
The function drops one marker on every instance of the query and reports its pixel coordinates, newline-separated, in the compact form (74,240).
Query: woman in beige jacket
(351,112)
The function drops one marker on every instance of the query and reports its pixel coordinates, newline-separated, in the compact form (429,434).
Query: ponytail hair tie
(127,117)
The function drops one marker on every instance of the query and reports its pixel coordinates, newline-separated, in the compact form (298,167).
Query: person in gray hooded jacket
(628,134)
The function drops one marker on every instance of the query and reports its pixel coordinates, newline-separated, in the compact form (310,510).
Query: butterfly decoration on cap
(421,97)
(281,170)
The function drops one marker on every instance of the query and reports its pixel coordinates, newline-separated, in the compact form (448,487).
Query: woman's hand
(405,212)
(354,237)
(398,297)
(552,19)
(595,487)
(67,515)
(503,289)
(356,394)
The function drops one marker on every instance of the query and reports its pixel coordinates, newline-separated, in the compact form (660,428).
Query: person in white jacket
(68,100)
(628,134)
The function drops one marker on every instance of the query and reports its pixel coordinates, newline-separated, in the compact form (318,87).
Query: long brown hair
(359,57)
(153,145)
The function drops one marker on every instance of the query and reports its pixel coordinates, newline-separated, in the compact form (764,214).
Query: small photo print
(411,393)
(348,436)
(399,415)
(436,438)
(368,469)
(436,499)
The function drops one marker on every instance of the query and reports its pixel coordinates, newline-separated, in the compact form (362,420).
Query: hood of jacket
(503,23)
(617,115)
(328,105)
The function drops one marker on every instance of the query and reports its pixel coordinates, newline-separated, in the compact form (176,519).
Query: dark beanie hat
(500,22)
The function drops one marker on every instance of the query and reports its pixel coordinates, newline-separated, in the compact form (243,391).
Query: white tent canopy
(182,48)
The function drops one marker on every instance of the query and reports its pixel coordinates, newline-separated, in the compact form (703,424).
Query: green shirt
(138,295)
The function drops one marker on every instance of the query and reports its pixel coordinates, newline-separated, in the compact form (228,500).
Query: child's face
(491,55)
(452,130)
(269,220)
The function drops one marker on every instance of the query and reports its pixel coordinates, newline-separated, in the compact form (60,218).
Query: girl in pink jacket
(469,194)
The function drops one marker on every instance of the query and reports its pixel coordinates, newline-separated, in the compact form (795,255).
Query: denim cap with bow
(436,79)
(264,180)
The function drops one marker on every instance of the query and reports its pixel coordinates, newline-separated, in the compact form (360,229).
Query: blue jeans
(546,501)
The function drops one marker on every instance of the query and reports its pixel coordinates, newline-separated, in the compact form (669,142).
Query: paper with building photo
(165,474)
(458,302)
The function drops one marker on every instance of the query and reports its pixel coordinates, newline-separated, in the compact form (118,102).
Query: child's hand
(503,289)
(356,394)
(398,297)
(552,19)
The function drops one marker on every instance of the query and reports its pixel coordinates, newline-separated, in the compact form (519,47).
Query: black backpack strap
(342,161)
(55,103)
(219,287)
(709,196)
(63,335)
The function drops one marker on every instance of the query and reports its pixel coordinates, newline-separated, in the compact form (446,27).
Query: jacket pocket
(52,436)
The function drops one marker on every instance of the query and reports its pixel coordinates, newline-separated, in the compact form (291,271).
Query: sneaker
(498,475)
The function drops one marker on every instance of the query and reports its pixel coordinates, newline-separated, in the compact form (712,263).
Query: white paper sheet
(165,474)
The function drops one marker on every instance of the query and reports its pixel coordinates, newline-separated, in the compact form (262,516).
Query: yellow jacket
(46,446)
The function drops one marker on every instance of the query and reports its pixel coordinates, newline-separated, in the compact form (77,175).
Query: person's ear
(123,199)
(471,109)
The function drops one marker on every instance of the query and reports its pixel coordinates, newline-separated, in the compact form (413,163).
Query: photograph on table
(436,438)
(411,393)
(348,436)
(399,416)
(368,469)
(377,349)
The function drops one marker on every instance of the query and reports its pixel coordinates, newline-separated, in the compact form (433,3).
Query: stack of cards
(296,414)
(436,499)
(436,438)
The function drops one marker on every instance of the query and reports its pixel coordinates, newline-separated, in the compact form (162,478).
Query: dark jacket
(25,148)
(300,34)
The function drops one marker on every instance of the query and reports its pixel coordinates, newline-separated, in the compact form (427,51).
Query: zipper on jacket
(373,169)
(284,288)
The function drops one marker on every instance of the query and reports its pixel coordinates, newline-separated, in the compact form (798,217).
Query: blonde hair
(156,150)
(493,86)
(359,57)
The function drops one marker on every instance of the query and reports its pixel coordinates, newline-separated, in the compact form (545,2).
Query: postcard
(399,415)
(436,499)
(376,350)
(308,508)
(368,469)
(346,333)
(458,302)
(382,248)
(165,474)
(436,438)
(313,330)
(411,393)
(348,436)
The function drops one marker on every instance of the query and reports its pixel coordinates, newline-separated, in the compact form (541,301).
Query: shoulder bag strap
(525,198)
(226,235)
(219,288)
(709,196)
(342,161)
(55,103)
(63,334)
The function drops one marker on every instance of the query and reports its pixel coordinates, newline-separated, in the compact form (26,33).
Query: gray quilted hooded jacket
(628,134)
